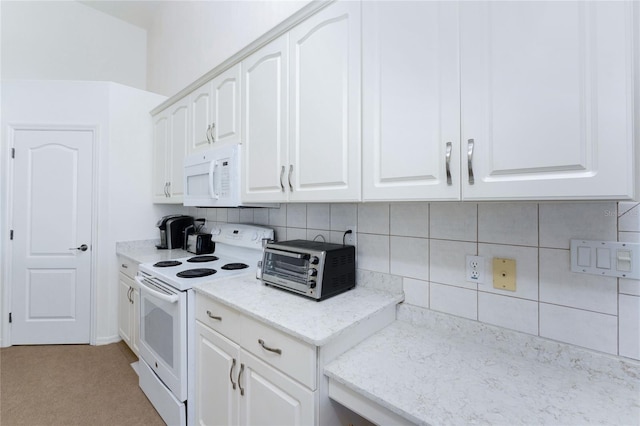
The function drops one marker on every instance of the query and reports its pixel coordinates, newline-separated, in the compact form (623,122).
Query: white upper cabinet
(536,99)
(302,112)
(170,133)
(410,101)
(547,99)
(214,110)
(265,122)
(325,141)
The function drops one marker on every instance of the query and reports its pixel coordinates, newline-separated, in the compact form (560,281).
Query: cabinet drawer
(219,317)
(127,267)
(296,358)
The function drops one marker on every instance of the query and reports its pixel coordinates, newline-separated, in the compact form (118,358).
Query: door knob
(83,247)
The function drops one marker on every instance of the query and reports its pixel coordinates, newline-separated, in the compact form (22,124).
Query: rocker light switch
(608,258)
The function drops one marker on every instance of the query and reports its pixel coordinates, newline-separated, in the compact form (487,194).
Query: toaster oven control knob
(312,284)
(314,260)
(312,272)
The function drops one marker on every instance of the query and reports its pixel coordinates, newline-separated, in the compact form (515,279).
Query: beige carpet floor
(72,385)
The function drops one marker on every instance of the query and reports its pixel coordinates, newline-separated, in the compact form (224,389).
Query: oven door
(163,333)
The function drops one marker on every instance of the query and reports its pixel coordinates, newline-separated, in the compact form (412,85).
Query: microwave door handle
(171,298)
(212,178)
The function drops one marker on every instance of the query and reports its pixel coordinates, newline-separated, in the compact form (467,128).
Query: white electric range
(167,315)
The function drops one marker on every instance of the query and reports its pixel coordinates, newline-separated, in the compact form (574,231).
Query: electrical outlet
(475,269)
(352,238)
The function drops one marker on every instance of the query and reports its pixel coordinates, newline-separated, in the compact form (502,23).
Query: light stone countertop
(437,369)
(314,322)
(145,251)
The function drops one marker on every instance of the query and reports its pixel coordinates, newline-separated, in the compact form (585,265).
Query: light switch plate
(608,258)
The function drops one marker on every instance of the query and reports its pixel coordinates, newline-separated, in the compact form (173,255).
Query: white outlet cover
(608,258)
(475,269)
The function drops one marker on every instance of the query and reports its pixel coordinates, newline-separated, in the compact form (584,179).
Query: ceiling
(137,12)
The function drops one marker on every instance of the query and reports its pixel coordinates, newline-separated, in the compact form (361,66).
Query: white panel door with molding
(52,224)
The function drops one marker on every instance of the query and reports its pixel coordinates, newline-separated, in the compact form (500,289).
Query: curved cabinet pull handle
(168,189)
(240,378)
(470,161)
(208,133)
(210,315)
(281,176)
(213,136)
(166,194)
(233,365)
(448,162)
(267,348)
(290,173)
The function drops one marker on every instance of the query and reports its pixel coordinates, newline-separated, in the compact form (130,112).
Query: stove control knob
(312,272)
(314,260)
(254,236)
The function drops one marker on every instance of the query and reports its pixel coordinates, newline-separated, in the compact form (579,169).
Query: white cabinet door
(325,105)
(270,397)
(217,370)
(265,123)
(125,326)
(179,134)
(546,90)
(160,160)
(135,318)
(411,101)
(200,101)
(225,106)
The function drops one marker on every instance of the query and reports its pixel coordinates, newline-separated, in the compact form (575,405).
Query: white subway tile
(453,221)
(509,312)
(631,287)
(297,215)
(526,269)
(562,222)
(373,218)
(629,320)
(318,235)
(222,215)
(560,286)
(625,206)
(246,215)
(629,237)
(448,262)
(343,216)
(629,221)
(278,215)
(233,215)
(279,233)
(578,327)
(261,216)
(319,216)
(416,292)
(410,219)
(453,300)
(373,252)
(508,223)
(296,234)
(211,215)
(410,257)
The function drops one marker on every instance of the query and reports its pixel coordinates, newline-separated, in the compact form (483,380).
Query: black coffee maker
(172,231)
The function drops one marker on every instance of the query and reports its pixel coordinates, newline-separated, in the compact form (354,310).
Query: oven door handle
(171,298)
(287,253)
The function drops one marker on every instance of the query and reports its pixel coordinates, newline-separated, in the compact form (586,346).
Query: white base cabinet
(236,387)
(128,305)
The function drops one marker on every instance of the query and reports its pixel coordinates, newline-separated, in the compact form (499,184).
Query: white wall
(188,39)
(125,210)
(65,40)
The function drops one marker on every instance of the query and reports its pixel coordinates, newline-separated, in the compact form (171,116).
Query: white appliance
(212,177)
(167,315)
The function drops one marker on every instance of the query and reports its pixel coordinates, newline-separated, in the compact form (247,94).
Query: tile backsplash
(425,245)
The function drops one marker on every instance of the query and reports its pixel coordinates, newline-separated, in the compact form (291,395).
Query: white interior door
(52,217)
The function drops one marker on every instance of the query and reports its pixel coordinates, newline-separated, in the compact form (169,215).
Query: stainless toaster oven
(314,269)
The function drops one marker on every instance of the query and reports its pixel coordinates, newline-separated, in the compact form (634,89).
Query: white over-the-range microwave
(212,178)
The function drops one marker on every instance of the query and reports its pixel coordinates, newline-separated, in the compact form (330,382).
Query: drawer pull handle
(239,378)
(233,365)
(261,342)
(124,265)
(213,316)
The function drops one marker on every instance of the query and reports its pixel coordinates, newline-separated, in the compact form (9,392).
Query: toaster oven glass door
(286,269)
